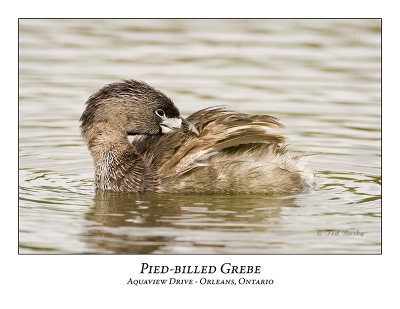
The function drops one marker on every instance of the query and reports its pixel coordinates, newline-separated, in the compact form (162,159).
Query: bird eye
(160,113)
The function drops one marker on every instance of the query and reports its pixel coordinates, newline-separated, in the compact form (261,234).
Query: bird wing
(219,129)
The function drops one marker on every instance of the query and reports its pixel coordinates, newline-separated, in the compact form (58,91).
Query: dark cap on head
(129,105)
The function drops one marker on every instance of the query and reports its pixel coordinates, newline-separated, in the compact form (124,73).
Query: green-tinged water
(321,78)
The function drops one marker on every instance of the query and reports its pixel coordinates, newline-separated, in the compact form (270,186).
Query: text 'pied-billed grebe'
(215,150)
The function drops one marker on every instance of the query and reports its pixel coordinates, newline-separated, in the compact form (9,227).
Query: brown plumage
(215,150)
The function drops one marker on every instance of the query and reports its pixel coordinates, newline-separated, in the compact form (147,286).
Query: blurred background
(320,77)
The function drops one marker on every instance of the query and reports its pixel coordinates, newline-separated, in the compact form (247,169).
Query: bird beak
(168,124)
(190,126)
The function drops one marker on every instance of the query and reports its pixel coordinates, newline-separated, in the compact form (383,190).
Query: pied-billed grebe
(215,150)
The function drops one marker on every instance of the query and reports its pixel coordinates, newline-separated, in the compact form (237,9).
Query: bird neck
(118,165)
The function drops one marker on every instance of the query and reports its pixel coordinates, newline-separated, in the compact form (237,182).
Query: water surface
(321,78)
